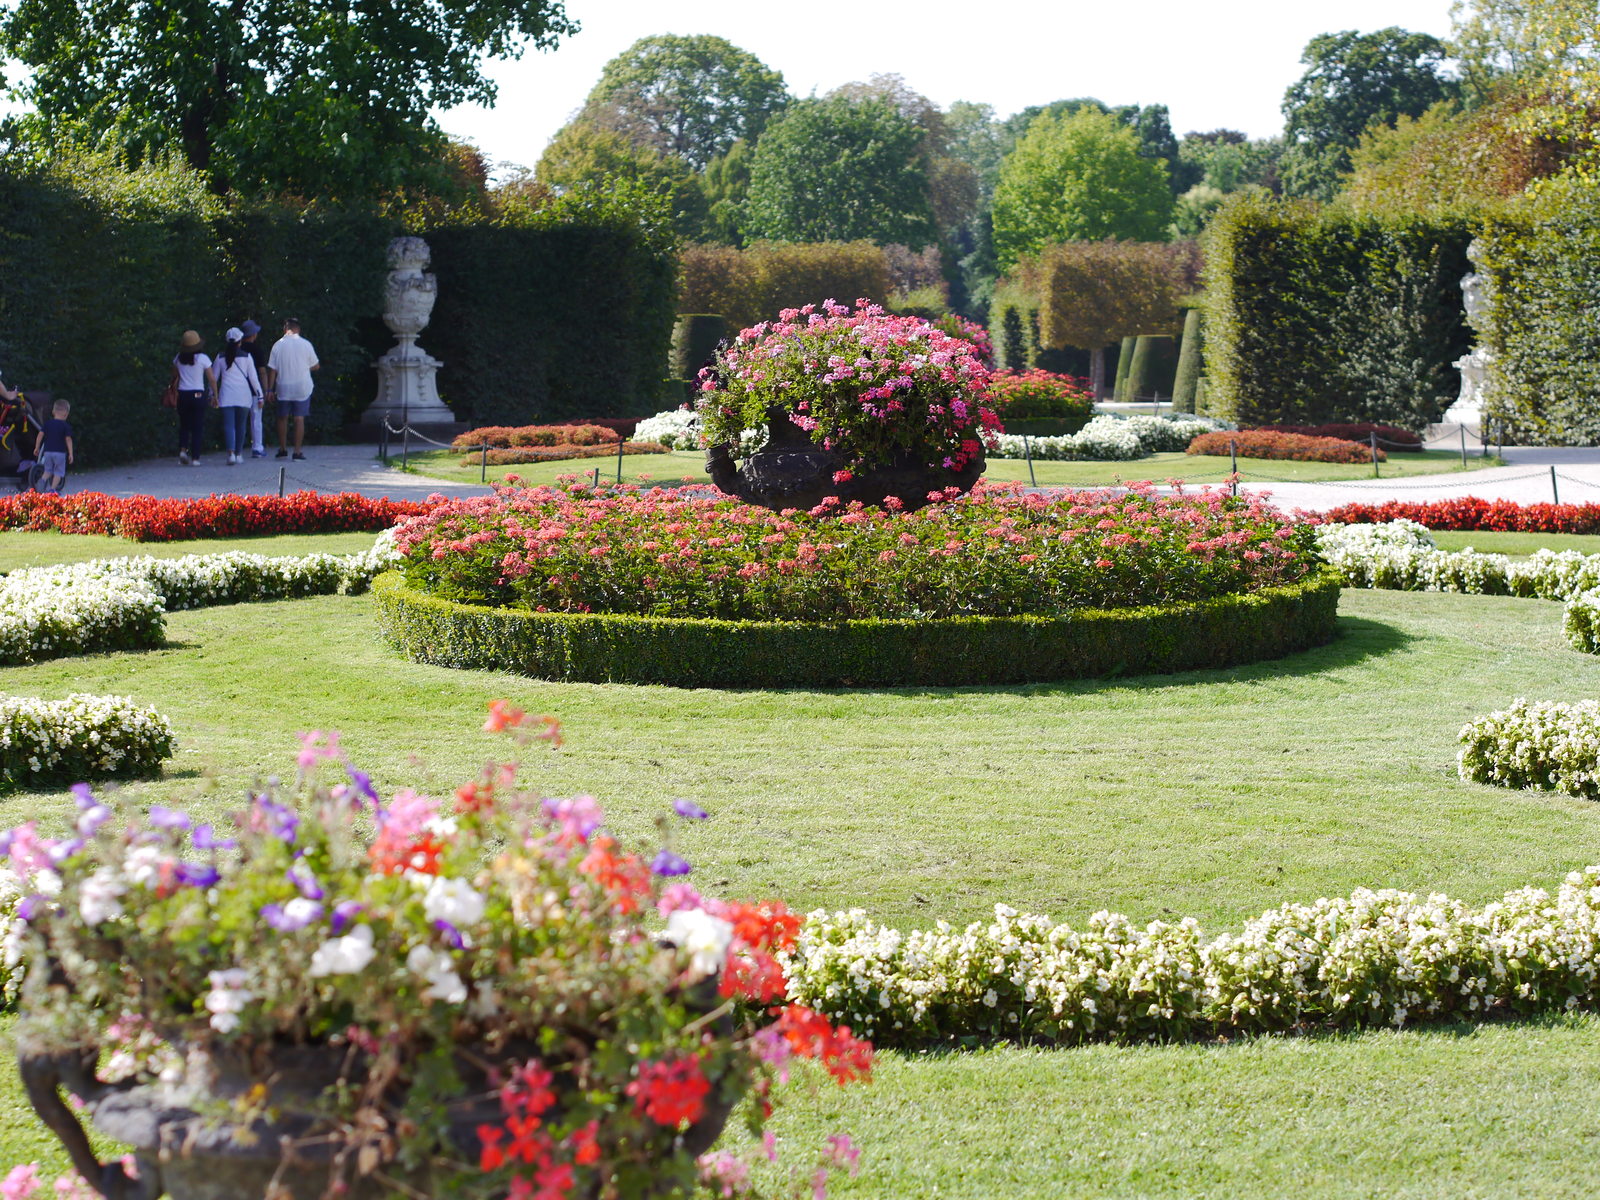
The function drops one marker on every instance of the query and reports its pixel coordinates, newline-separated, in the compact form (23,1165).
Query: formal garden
(870,733)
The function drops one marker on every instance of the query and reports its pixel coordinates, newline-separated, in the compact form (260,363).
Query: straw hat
(190,339)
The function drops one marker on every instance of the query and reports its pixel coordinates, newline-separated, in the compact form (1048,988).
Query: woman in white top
(191,371)
(238,388)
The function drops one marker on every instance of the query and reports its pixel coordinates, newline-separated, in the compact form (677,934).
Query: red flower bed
(148,519)
(1265,443)
(516,455)
(1404,439)
(1032,394)
(537,435)
(1470,514)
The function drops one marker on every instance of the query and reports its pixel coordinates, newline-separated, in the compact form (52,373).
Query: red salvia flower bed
(1471,514)
(150,519)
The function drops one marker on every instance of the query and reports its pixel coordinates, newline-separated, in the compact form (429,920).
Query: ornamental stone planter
(792,471)
(187,1147)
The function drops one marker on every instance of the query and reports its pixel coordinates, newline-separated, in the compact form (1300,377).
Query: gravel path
(357,469)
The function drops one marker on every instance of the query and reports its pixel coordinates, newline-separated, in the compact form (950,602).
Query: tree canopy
(1354,80)
(580,153)
(312,97)
(689,96)
(1525,38)
(1078,177)
(838,170)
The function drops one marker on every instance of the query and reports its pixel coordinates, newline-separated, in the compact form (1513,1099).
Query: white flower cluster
(676,429)
(117,603)
(1401,555)
(1542,745)
(81,736)
(48,616)
(1108,438)
(1376,957)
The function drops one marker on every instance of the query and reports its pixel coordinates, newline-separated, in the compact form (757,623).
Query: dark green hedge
(546,313)
(1317,315)
(599,648)
(1544,259)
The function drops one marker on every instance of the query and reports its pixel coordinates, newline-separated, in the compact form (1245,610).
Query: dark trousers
(191,422)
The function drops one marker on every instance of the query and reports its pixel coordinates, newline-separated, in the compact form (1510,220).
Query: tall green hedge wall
(1319,315)
(561,312)
(1543,259)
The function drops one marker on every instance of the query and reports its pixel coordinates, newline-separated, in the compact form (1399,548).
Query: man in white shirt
(290,366)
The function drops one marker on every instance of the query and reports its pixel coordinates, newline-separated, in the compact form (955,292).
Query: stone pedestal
(407,391)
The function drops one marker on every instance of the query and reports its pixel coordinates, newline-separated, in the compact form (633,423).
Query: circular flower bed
(998,585)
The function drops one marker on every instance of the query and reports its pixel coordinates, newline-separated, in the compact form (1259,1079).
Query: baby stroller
(20,422)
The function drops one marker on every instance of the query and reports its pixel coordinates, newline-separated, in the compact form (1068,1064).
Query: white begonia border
(117,603)
(81,737)
(1374,958)
(1401,555)
(1540,745)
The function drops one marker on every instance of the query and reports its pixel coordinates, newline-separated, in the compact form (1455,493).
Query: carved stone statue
(1474,365)
(406,385)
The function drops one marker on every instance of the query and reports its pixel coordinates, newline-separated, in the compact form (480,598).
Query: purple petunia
(196,875)
(296,914)
(163,817)
(84,795)
(452,935)
(668,863)
(344,913)
(205,838)
(90,819)
(688,808)
(280,822)
(305,882)
(363,783)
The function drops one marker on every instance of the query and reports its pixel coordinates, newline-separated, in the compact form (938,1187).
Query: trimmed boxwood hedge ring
(687,652)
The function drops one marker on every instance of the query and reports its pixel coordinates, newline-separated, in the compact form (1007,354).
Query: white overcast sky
(1213,63)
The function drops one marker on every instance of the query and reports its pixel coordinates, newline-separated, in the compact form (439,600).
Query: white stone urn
(407,391)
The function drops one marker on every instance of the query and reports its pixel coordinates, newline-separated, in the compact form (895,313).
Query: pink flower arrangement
(873,387)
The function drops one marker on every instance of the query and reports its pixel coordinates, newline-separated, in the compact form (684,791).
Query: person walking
(238,392)
(258,354)
(191,371)
(290,366)
(53,447)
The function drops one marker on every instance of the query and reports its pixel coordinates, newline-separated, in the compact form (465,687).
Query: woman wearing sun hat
(191,370)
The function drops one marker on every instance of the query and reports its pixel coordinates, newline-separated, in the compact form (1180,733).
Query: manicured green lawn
(1213,794)
(1517,543)
(680,467)
(42,549)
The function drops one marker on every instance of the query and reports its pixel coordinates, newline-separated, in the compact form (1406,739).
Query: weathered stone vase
(181,1150)
(792,471)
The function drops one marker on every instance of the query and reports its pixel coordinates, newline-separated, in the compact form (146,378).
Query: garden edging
(694,652)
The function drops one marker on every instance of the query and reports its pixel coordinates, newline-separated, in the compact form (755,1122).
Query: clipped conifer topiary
(1186,383)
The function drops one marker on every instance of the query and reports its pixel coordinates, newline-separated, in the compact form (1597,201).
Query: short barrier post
(1233,458)
(1372,441)
(1555,492)
(483,469)
(283,473)
(1463,430)
(1027,449)
(621,442)
(405,446)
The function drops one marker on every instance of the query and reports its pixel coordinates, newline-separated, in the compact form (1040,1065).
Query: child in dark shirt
(53,447)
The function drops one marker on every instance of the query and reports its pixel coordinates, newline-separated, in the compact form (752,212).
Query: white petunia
(453,900)
(703,937)
(346,955)
(437,967)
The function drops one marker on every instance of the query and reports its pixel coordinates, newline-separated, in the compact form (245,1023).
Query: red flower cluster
(537,435)
(671,1092)
(393,855)
(1265,443)
(523,1142)
(1470,514)
(1356,432)
(149,519)
(625,876)
(559,452)
(810,1035)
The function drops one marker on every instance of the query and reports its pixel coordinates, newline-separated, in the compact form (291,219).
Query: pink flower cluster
(872,386)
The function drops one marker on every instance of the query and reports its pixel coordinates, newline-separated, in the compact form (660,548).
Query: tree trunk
(1097,371)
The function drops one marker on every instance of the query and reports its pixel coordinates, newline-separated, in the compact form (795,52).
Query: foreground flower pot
(792,471)
(186,1134)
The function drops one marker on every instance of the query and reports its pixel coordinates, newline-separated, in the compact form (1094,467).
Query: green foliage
(1154,367)
(694,341)
(752,285)
(1077,178)
(692,97)
(1186,384)
(726,182)
(582,153)
(1193,210)
(1526,39)
(1119,389)
(1352,81)
(1227,160)
(951,651)
(1012,347)
(1323,316)
(1543,260)
(590,340)
(840,170)
(319,101)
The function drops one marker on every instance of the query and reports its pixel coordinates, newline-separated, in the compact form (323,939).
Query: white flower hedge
(676,429)
(1375,958)
(1542,745)
(81,737)
(1109,438)
(1402,555)
(117,603)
